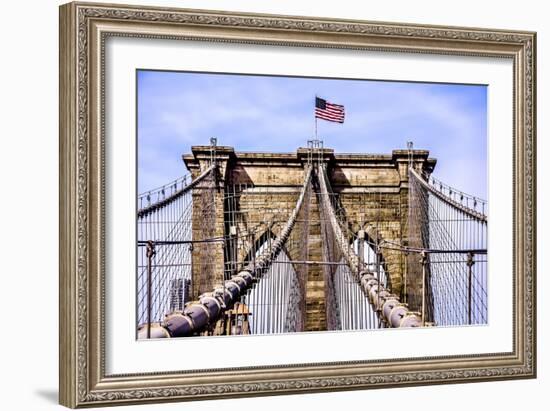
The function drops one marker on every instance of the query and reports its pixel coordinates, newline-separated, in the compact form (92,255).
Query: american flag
(328,111)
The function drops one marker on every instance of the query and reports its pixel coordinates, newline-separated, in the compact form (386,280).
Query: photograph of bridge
(278,204)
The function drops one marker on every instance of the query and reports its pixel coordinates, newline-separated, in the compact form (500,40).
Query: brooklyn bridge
(263,243)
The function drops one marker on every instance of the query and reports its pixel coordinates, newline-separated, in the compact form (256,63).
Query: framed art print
(260,204)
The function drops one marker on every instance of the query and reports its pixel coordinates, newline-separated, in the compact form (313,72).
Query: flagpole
(315,115)
(315,127)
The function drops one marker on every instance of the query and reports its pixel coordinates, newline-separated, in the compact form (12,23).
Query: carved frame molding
(83,30)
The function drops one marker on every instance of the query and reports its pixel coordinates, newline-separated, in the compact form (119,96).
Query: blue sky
(264,113)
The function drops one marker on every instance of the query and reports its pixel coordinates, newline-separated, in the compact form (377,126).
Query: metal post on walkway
(378,260)
(406,264)
(470,263)
(150,253)
(423,261)
(252,242)
(361,248)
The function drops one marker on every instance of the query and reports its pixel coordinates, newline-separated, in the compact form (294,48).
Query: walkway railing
(164,239)
(447,250)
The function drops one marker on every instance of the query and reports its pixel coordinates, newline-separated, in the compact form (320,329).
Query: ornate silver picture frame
(86,159)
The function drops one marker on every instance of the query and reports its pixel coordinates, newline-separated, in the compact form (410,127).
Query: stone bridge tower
(372,191)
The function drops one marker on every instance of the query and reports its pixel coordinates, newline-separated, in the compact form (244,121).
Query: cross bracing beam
(395,313)
(199,315)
